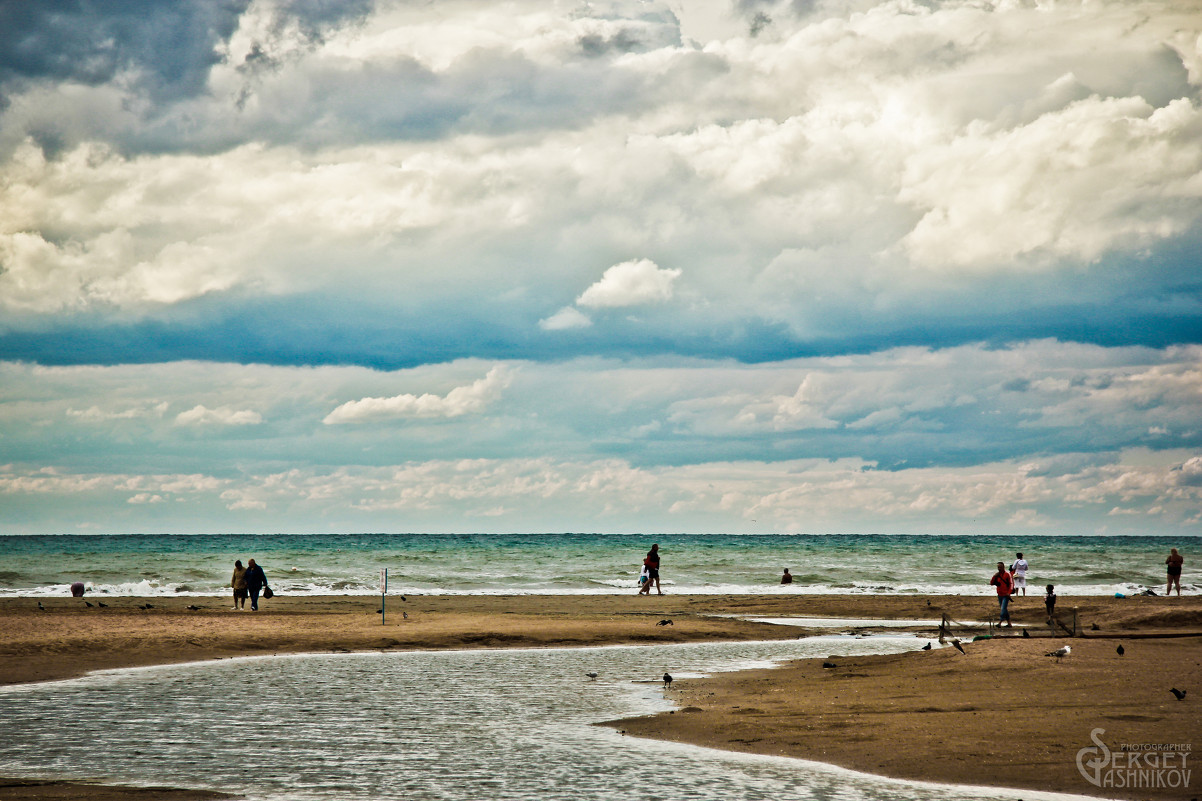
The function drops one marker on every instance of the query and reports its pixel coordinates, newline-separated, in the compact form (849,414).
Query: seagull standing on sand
(591,674)
(1180,694)
(1060,653)
(926,647)
(667,681)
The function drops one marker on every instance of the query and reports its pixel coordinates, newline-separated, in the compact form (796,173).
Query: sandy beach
(1001,714)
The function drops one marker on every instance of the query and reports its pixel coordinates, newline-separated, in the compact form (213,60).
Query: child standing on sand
(1049,600)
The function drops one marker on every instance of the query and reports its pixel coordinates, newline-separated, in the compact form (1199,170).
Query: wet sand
(1004,714)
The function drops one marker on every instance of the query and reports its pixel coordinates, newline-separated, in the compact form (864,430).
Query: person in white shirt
(1019,569)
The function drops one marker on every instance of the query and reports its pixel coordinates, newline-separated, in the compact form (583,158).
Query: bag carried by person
(267,593)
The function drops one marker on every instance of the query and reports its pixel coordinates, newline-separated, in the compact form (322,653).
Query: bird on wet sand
(1120,650)
(41,607)
(1179,693)
(667,681)
(1026,633)
(956,644)
(926,647)
(88,604)
(664,622)
(591,674)
(1060,653)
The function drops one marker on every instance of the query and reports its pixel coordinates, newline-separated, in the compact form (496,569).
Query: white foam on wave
(151,588)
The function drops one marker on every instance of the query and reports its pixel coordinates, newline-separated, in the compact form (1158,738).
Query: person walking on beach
(1049,600)
(238,582)
(1174,562)
(652,565)
(1020,574)
(787,578)
(1005,588)
(255,581)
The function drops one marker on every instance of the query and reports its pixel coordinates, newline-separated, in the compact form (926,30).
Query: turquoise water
(420,726)
(563,564)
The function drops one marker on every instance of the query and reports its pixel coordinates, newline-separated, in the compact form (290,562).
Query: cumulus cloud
(565,318)
(632,283)
(199,415)
(471,399)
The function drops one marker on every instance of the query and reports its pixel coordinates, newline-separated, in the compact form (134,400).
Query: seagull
(1179,693)
(591,674)
(88,604)
(665,622)
(1120,650)
(956,644)
(192,608)
(405,615)
(926,647)
(1026,633)
(102,604)
(1060,653)
(41,607)
(667,681)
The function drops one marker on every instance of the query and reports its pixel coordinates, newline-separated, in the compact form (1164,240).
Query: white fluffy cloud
(471,399)
(632,283)
(199,415)
(566,318)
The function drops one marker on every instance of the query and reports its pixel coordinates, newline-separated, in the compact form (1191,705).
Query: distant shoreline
(1004,714)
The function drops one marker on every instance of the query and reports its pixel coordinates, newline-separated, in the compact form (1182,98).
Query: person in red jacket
(1005,588)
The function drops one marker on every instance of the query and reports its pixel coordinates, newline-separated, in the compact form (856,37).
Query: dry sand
(1003,714)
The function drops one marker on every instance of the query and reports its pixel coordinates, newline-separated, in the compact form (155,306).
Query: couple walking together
(249,581)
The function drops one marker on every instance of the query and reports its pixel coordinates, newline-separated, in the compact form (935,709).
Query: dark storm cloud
(170,46)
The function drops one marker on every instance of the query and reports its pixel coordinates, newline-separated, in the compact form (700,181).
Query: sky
(731,266)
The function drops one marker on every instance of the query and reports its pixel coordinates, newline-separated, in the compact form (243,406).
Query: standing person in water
(1174,563)
(255,582)
(1020,574)
(652,565)
(238,582)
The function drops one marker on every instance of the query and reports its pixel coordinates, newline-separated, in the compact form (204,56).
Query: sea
(148,565)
